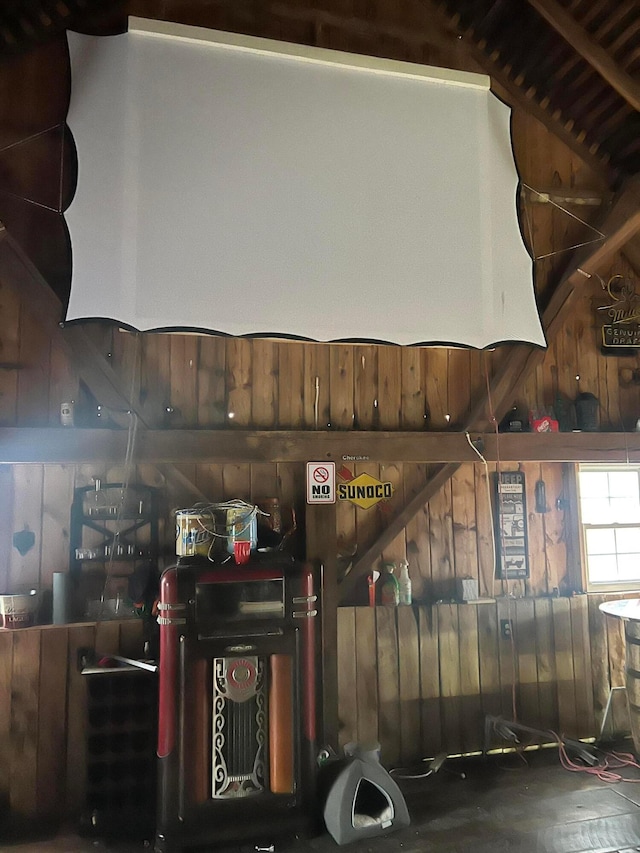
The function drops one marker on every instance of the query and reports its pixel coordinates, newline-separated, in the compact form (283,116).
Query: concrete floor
(470,806)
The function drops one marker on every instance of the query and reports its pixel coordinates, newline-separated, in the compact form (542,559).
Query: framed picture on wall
(510,525)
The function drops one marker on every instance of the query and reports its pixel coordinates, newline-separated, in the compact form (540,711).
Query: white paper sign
(321,482)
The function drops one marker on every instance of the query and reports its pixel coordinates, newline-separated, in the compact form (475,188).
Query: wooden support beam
(580,40)
(567,196)
(322,551)
(180,484)
(395,526)
(166,449)
(632,253)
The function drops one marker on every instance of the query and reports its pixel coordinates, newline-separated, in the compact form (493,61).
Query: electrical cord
(205,515)
(608,768)
(504,580)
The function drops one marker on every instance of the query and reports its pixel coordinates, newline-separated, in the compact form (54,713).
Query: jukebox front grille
(239,727)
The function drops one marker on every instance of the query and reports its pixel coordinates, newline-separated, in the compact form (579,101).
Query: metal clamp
(164,620)
(304,599)
(174,607)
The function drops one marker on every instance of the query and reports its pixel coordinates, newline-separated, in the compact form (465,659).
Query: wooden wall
(438,667)
(416,680)
(419,680)
(189,381)
(450,538)
(43,720)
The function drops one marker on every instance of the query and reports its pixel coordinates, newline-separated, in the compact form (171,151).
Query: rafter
(413,32)
(570,30)
(529,100)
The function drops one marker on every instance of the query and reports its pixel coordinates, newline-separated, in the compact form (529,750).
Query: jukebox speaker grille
(239,727)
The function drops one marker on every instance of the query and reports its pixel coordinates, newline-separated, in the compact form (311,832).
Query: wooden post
(322,550)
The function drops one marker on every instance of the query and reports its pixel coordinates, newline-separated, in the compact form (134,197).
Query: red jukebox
(237,710)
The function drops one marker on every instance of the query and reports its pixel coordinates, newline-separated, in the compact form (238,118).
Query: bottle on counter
(404,584)
(390,588)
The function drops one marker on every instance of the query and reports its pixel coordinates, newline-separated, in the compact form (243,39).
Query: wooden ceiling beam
(167,450)
(580,40)
(376,27)
(567,196)
(529,101)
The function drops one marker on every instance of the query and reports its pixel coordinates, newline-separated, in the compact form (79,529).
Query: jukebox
(237,710)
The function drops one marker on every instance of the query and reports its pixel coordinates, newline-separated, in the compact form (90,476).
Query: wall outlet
(506,628)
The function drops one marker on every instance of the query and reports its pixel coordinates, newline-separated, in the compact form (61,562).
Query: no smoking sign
(321,482)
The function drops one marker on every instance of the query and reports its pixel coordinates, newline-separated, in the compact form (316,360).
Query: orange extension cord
(606,771)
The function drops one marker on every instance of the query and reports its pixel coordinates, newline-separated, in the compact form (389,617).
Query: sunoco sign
(365,491)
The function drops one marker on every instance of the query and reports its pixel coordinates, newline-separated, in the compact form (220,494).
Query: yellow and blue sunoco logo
(365,491)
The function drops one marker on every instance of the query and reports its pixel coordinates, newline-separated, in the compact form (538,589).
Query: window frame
(609,586)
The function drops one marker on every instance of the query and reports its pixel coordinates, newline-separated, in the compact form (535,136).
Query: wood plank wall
(417,680)
(442,661)
(262,384)
(450,538)
(420,680)
(43,721)
(437,667)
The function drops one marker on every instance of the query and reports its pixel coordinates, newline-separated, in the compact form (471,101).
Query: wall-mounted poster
(510,521)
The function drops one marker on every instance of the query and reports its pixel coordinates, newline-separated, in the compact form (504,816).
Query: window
(610,518)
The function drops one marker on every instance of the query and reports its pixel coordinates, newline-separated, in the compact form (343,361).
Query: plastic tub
(18,610)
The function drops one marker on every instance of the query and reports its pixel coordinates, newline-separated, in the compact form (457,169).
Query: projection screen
(247,187)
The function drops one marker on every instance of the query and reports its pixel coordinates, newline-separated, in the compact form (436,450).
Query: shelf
(77,446)
(111,547)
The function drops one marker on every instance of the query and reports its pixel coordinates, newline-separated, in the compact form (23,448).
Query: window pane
(594,484)
(628,540)
(600,542)
(623,511)
(624,484)
(629,567)
(602,570)
(610,513)
(596,511)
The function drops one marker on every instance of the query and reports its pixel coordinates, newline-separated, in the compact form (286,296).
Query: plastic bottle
(404,584)
(390,590)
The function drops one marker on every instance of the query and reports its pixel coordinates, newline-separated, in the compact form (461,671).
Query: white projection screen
(250,187)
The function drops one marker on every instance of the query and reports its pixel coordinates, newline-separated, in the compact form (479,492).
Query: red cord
(606,770)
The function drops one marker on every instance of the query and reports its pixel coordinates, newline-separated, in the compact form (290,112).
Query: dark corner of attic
(319,427)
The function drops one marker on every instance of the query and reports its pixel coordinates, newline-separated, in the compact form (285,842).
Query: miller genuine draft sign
(621,316)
